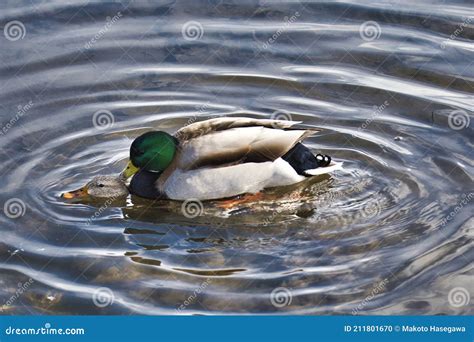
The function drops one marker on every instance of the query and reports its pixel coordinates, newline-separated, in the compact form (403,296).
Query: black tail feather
(301,159)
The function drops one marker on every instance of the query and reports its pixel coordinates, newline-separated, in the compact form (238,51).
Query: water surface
(390,83)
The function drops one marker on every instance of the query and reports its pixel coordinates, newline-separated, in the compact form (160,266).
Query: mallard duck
(221,158)
(213,159)
(104,186)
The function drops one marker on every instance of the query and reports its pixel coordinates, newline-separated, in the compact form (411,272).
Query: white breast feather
(214,183)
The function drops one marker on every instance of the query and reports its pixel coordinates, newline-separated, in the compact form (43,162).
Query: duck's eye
(101,185)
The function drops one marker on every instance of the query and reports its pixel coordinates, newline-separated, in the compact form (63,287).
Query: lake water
(391,84)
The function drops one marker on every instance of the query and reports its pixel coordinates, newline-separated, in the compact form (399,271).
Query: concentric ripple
(391,87)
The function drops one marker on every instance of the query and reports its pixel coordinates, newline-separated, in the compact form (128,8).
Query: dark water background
(390,82)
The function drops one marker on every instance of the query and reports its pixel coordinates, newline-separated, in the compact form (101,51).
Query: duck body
(226,157)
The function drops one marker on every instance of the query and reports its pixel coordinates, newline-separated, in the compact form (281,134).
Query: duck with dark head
(222,158)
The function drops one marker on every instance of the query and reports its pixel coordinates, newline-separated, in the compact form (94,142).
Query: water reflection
(395,106)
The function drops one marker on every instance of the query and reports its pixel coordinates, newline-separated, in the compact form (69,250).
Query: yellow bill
(129,170)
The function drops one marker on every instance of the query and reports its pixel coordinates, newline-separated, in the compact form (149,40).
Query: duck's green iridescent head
(152,151)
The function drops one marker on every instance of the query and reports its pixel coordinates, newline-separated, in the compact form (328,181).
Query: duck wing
(197,129)
(231,141)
